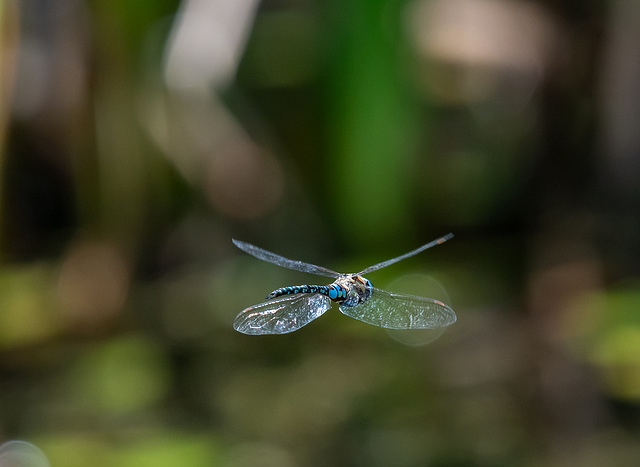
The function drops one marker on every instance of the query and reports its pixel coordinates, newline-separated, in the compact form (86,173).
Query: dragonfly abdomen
(333,291)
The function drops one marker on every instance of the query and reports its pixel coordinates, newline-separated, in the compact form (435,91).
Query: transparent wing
(398,311)
(388,262)
(282,315)
(301,266)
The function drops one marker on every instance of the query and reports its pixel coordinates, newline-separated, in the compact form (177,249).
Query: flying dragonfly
(289,308)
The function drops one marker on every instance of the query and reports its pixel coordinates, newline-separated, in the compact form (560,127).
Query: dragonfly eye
(368,287)
(352,298)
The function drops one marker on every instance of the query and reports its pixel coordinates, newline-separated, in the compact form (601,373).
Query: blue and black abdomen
(333,291)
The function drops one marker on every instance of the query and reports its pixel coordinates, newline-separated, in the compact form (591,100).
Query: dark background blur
(138,137)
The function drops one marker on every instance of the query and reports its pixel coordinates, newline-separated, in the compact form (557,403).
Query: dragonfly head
(357,289)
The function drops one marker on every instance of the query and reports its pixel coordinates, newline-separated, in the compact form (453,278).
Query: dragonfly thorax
(356,289)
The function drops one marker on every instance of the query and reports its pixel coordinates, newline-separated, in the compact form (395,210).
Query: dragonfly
(289,308)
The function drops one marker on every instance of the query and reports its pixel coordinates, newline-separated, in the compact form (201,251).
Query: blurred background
(138,138)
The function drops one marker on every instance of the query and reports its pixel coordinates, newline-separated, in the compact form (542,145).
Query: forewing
(398,311)
(301,266)
(285,314)
(384,264)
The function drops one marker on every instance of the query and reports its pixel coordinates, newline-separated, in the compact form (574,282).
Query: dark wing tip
(446,237)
